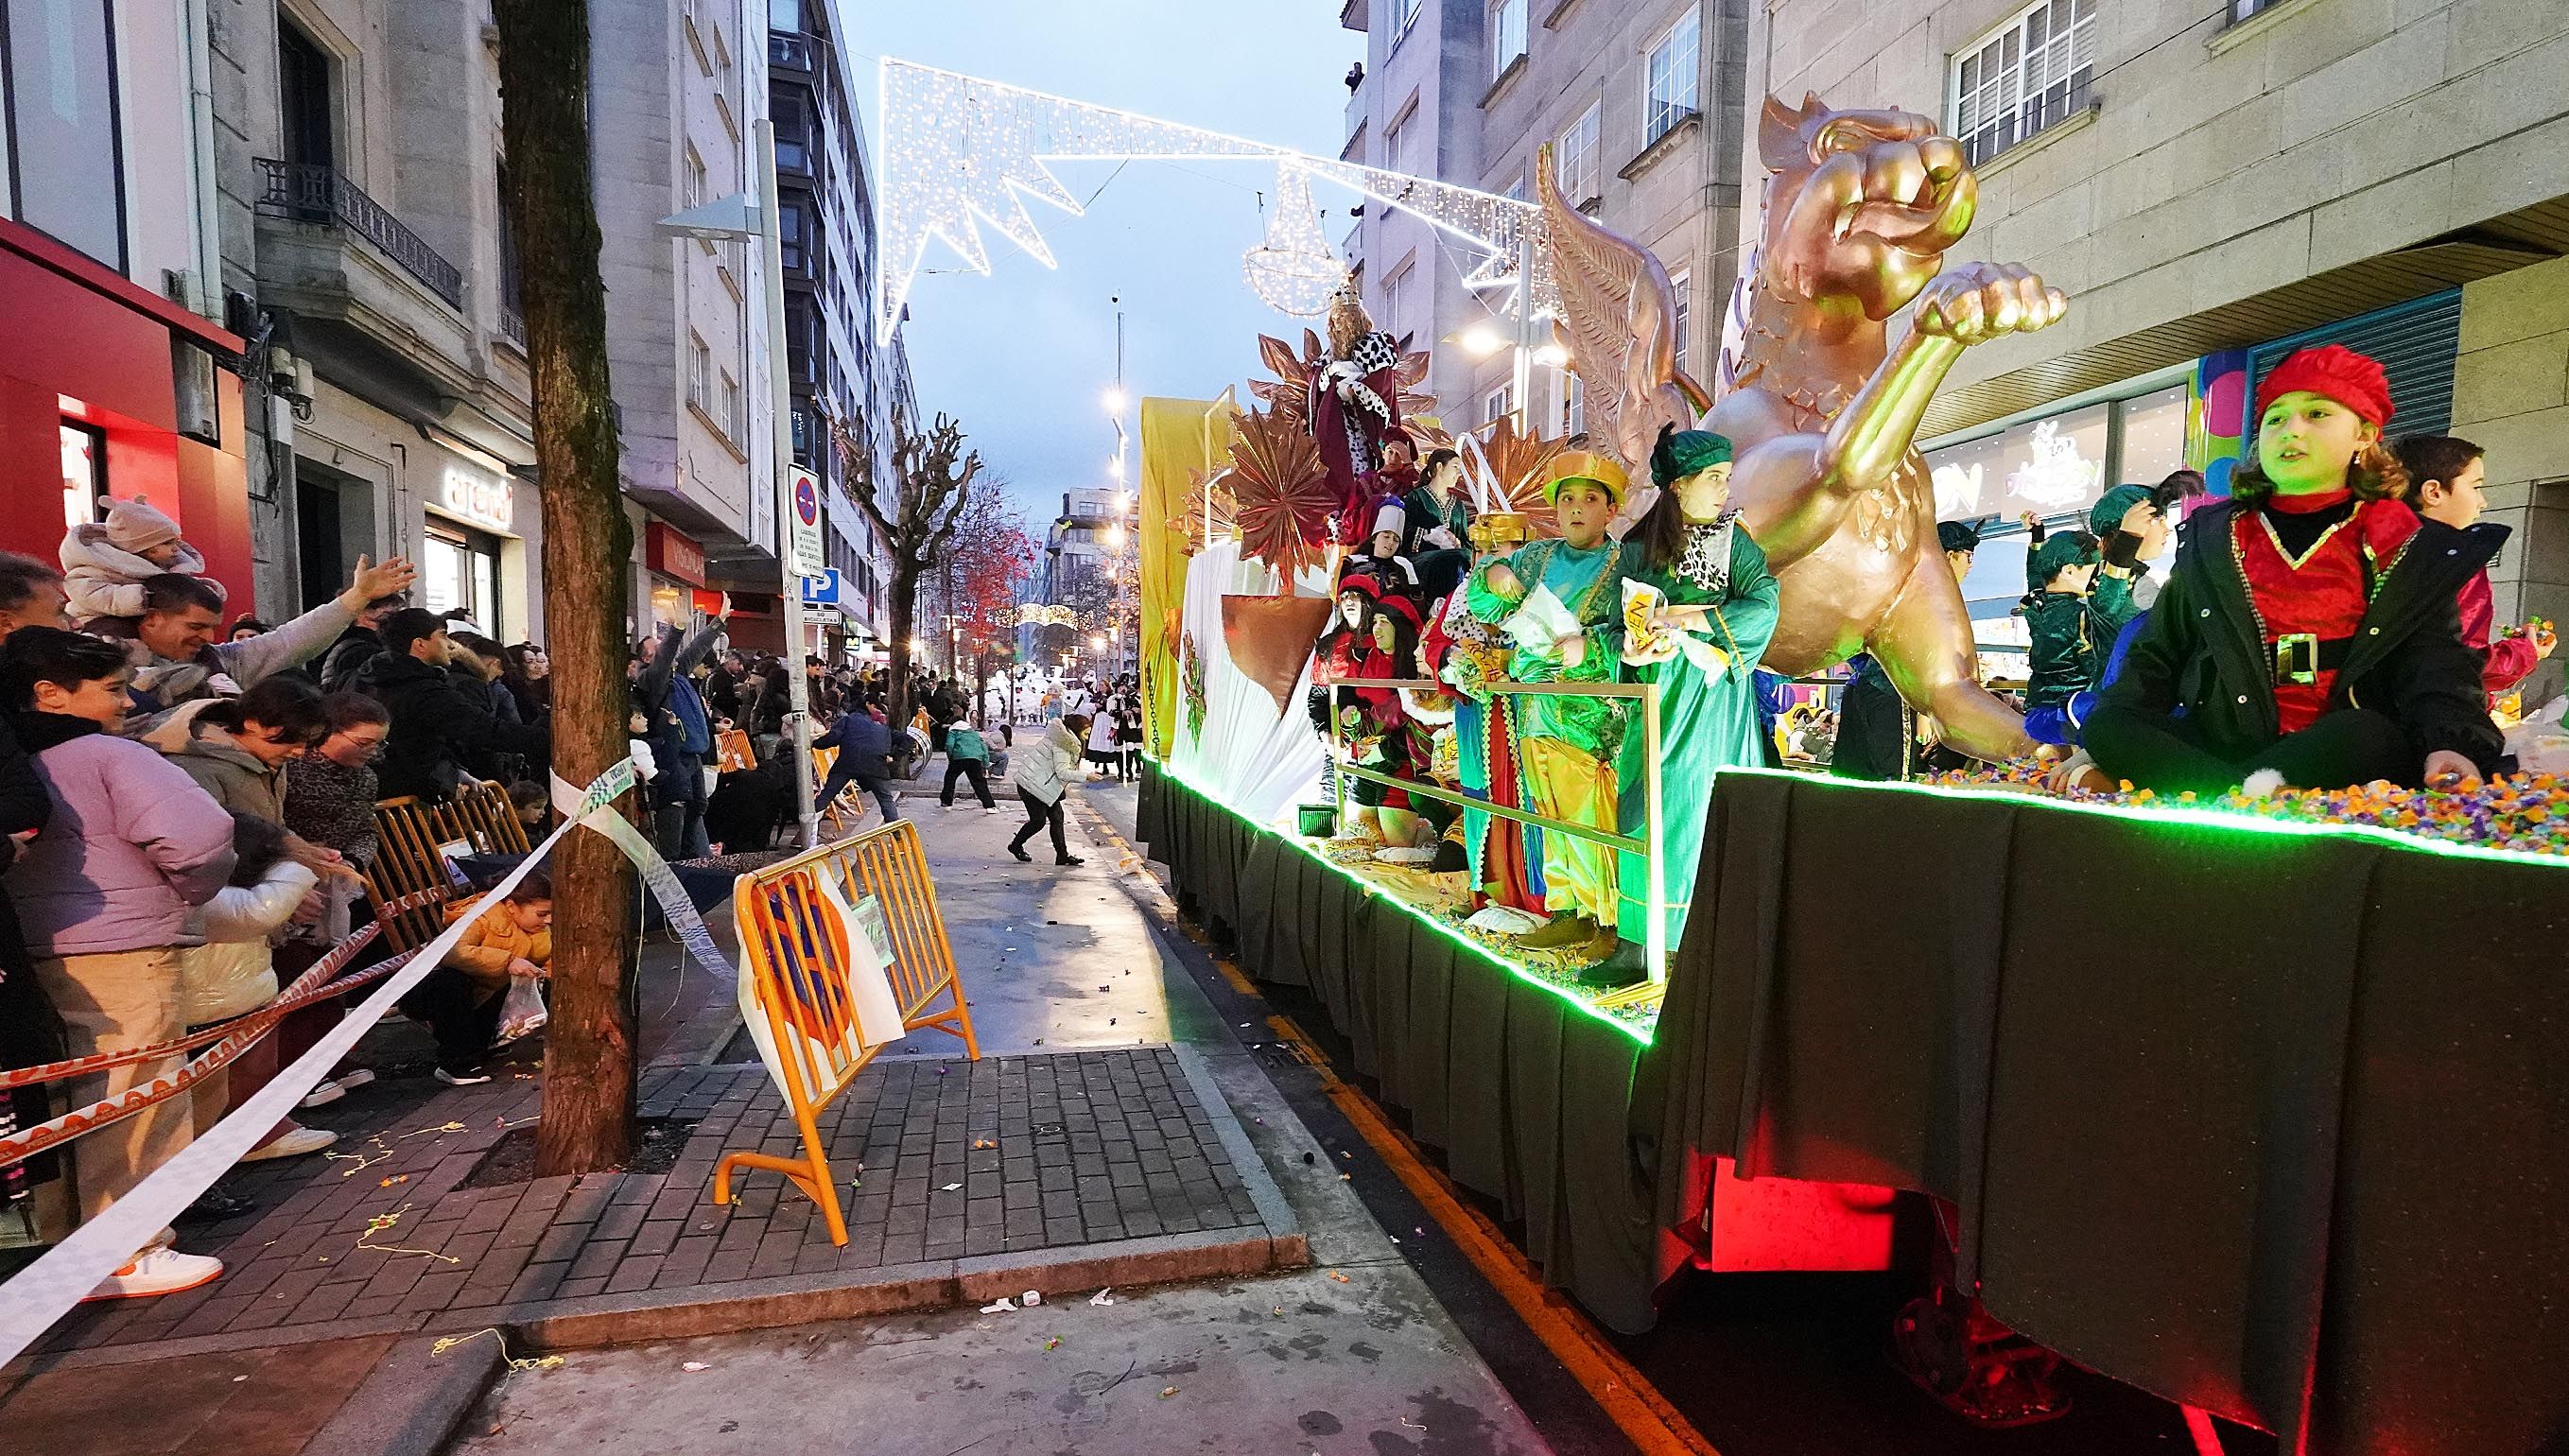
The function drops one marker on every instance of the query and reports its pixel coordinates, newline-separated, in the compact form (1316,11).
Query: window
(1395,139)
(793,117)
(1496,405)
(1680,332)
(1404,14)
(1577,161)
(696,40)
(700,367)
(2242,9)
(1573,405)
(791,220)
(84,472)
(2030,73)
(693,189)
(1672,95)
(512,272)
(459,569)
(785,15)
(58,86)
(1395,297)
(304,96)
(1507,34)
(730,400)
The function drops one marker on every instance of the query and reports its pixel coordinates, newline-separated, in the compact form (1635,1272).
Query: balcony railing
(311,193)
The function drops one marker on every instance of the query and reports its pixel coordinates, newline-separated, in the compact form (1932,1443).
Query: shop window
(2031,73)
(2150,436)
(84,472)
(1669,95)
(1577,168)
(65,152)
(459,568)
(2052,467)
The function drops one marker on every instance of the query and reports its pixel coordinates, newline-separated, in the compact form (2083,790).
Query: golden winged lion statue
(1818,401)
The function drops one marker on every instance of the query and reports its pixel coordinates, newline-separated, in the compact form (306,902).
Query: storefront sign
(673,555)
(476,498)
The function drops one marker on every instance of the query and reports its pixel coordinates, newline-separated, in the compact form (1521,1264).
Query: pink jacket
(132,844)
(2511,660)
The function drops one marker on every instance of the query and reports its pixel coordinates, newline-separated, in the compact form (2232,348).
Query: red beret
(2336,372)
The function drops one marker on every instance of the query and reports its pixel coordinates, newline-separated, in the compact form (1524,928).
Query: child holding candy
(2309,634)
(2445,476)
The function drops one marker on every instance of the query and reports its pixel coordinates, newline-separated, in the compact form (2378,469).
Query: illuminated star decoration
(959,151)
(1293,270)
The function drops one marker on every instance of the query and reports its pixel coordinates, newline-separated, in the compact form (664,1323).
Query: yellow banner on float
(1184,441)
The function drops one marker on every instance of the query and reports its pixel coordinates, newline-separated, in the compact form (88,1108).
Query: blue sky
(1024,356)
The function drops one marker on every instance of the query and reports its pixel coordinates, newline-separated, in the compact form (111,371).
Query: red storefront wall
(85,343)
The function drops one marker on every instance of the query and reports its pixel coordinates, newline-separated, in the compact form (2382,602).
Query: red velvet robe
(2324,593)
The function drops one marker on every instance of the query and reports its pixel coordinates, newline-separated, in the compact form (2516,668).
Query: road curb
(413,1401)
(647,1316)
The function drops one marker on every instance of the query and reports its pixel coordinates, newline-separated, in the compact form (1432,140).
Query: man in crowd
(358,645)
(177,660)
(31,594)
(437,722)
(680,733)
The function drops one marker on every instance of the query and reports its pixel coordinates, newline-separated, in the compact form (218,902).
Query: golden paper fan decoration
(1413,370)
(1283,500)
(1289,393)
(1518,461)
(1211,514)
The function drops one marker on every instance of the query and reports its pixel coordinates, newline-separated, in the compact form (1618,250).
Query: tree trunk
(589,1044)
(903,612)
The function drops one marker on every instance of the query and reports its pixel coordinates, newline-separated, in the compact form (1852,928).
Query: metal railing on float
(1648,845)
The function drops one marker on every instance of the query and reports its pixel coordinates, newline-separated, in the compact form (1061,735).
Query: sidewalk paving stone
(314,1255)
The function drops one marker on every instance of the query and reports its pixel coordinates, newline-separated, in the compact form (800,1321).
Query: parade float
(2249,1101)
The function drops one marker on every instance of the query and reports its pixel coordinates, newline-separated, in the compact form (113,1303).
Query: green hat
(1681,453)
(2106,516)
(2060,550)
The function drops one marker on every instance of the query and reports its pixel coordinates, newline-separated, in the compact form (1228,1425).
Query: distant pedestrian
(864,742)
(1044,771)
(968,754)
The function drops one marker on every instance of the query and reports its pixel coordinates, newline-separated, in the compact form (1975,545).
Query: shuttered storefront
(2415,342)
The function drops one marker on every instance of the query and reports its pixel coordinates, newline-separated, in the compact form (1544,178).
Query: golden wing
(1619,322)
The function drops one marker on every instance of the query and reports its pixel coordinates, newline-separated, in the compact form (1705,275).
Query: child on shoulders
(105,564)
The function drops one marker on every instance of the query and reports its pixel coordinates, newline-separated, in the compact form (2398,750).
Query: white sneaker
(322,1096)
(158,1270)
(291,1145)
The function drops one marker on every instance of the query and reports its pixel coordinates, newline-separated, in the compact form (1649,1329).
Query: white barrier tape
(44,1292)
(665,888)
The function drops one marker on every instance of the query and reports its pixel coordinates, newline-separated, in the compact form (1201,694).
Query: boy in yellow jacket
(461,999)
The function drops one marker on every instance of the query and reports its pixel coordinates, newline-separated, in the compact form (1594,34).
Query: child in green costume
(1560,603)
(1699,642)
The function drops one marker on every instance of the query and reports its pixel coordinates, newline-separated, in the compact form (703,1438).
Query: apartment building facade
(1643,107)
(2215,190)
(833,352)
(117,375)
(365,249)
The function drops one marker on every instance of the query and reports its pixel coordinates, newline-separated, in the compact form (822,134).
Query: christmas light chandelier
(959,151)
(1294,272)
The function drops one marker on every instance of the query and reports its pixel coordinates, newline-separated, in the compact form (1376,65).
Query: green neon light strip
(2170,811)
(1640,1035)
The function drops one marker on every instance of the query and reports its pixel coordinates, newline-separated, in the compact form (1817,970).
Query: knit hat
(1956,536)
(2334,372)
(2058,551)
(135,526)
(1585,464)
(1681,453)
(2107,513)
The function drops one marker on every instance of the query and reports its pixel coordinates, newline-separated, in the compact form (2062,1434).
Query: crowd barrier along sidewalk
(819,979)
(45,1290)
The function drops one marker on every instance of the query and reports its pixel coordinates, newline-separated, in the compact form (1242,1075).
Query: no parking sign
(810,559)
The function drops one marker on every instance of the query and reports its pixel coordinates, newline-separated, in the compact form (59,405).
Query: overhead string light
(959,151)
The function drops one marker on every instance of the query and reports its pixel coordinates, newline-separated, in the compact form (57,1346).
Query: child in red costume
(2445,476)
(2308,632)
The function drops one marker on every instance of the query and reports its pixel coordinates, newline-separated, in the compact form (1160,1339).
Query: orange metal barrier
(798,958)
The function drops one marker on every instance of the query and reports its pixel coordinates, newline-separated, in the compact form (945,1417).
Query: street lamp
(742,217)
